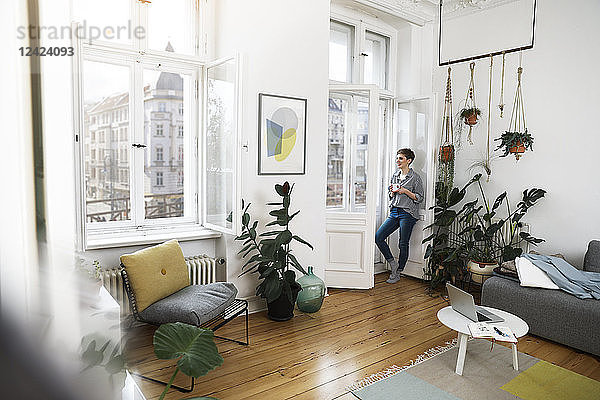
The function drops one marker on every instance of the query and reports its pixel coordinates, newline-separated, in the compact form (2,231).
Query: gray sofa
(551,314)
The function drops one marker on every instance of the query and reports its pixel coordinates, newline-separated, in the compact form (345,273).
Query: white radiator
(202,270)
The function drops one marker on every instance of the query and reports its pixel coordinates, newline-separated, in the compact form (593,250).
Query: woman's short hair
(408,153)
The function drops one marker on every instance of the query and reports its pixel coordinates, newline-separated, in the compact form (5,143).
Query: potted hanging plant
(446,152)
(515,143)
(470,115)
(517,138)
(272,257)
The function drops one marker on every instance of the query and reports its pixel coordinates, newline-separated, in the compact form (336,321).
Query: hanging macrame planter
(447,152)
(447,147)
(469,115)
(501,104)
(516,140)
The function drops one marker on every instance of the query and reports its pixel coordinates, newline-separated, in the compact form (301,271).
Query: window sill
(122,239)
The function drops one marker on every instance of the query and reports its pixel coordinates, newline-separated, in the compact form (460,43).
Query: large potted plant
(442,253)
(486,239)
(271,256)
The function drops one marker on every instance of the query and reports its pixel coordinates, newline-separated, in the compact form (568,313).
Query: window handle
(364,54)
(138,145)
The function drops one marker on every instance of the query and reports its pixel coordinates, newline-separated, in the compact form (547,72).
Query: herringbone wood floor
(315,356)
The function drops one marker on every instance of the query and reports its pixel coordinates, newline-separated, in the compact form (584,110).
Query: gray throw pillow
(591,261)
(194,304)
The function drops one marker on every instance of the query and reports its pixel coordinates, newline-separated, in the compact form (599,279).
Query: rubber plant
(270,255)
(194,348)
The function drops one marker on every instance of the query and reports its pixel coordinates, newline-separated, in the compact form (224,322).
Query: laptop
(463,303)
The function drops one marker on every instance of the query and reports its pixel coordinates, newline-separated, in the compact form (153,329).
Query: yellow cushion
(156,272)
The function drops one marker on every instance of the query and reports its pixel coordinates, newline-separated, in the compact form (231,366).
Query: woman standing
(406,193)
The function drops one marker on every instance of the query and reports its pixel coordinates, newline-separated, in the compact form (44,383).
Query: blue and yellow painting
(281,133)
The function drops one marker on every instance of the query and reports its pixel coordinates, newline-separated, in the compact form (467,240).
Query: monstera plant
(194,348)
(272,256)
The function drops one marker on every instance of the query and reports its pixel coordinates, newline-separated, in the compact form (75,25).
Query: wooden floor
(315,356)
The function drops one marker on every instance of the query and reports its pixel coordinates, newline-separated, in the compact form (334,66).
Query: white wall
(415,63)
(560,91)
(284,46)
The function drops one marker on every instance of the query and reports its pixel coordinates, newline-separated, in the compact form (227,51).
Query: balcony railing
(165,205)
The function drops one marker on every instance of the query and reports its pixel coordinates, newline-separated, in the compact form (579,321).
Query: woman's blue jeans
(398,218)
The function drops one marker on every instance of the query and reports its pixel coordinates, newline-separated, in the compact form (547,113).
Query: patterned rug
(486,375)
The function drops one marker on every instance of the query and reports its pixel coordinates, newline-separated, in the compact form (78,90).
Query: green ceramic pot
(310,298)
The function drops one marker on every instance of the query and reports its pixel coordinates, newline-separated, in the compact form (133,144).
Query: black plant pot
(281,309)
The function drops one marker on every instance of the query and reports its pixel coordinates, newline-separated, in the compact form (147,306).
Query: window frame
(361,26)
(236,228)
(120,233)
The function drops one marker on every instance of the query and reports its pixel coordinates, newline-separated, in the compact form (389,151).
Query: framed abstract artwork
(281,135)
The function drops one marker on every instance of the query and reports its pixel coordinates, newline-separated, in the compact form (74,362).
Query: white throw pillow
(532,276)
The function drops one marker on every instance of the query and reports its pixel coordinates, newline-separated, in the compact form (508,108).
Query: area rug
(486,375)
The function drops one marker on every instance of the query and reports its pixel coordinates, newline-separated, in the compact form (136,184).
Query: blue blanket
(583,284)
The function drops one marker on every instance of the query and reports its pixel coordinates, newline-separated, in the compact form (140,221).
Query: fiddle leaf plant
(269,254)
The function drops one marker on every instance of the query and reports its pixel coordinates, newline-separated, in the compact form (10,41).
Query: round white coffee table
(459,322)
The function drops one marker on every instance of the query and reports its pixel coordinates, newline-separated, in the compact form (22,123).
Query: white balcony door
(352,179)
(413,128)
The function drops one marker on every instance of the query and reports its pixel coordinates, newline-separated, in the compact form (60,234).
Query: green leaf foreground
(194,347)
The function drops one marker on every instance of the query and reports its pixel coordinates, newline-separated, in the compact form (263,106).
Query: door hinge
(196,88)
(76,137)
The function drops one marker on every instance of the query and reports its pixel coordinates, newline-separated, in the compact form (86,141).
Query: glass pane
(165,131)
(412,133)
(107,20)
(375,70)
(338,109)
(106,141)
(361,140)
(403,128)
(220,143)
(170,25)
(341,45)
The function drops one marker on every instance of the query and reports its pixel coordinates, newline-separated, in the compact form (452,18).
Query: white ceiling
(423,11)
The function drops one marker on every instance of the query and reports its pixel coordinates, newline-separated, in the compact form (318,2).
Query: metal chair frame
(238,307)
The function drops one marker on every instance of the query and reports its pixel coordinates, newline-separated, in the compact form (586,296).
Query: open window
(221,170)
